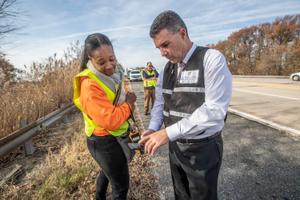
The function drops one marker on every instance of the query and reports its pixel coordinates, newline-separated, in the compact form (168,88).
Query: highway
(258,162)
(275,100)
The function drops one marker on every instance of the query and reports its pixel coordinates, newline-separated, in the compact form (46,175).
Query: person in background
(192,98)
(99,94)
(150,75)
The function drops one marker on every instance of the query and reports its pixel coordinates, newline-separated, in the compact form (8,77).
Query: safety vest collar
(108,81)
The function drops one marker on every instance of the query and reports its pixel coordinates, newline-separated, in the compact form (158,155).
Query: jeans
(109,155)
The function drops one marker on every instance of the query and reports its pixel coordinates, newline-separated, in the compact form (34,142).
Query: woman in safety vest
(100,95)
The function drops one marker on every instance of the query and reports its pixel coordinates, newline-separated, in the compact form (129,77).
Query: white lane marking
(265,122)
(271,95)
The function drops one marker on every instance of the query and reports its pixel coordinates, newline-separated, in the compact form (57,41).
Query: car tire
(296,78)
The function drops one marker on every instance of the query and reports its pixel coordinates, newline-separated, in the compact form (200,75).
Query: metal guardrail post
(28,145)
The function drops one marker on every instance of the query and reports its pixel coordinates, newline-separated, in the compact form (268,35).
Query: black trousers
(195,168)
(109,155)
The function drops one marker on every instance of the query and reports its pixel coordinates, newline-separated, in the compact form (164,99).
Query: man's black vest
(185,93)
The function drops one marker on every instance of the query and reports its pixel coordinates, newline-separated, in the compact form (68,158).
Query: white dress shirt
(209,117)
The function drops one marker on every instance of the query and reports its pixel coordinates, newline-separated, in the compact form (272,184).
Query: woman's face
(103,59)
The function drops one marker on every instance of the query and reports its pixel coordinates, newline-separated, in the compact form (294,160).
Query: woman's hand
(130,99)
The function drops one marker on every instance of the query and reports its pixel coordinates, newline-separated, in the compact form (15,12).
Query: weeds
(71,174)
(42,90)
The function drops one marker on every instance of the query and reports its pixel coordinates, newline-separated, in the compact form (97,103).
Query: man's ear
(182,33)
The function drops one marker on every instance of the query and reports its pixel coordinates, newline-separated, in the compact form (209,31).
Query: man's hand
(147,132)
(153,141)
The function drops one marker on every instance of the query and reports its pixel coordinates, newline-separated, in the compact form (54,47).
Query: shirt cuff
(173,132)
(154,126)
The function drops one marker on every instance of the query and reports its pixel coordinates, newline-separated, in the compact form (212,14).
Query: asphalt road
(272,99)
(258,163)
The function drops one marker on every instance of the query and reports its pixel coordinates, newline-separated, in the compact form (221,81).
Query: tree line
(265,49)
(8,16)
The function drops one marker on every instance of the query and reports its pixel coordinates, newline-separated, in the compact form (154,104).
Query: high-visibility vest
(150,82)
(90,125)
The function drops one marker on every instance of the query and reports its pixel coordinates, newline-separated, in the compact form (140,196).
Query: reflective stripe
(189,89)
(167,114)
(167,91)
(179,114)
(150,81)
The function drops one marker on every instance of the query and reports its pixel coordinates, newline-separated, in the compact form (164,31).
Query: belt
(206,139)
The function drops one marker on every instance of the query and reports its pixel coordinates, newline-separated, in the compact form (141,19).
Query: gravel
(258,163)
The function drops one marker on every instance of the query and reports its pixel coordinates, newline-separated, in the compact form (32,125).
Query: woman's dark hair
(91,43)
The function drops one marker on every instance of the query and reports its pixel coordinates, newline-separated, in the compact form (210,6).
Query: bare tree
(7,71)
(8,14)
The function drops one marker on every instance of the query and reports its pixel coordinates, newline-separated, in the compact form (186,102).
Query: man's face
(171,45)
(150,66)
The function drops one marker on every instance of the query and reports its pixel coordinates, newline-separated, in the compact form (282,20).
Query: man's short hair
(149,63)
(169,20)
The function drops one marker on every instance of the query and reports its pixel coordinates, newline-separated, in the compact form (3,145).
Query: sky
(50,27)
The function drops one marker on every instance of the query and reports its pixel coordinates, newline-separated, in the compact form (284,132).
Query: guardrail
(21,136)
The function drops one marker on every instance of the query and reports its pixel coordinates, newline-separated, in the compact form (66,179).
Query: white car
(135,75)
(295,76)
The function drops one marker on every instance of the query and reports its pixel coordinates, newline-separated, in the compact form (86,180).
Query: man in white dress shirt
(192,97)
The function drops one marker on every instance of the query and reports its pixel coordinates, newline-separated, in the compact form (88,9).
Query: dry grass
(49,87)
(71,174)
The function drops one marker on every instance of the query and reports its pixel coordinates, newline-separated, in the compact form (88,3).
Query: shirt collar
(189,53)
